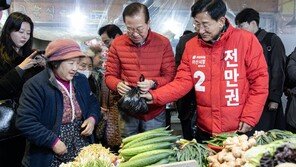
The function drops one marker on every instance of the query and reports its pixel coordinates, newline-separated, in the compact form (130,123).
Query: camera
(40,52)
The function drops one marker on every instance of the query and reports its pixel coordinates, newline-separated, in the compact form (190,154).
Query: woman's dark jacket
(12,77)
(39,115)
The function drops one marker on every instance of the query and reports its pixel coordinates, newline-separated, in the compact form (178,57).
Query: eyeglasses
(198,26)
(138,30)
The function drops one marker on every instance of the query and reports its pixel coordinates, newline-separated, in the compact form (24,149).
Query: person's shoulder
(80,79)
(187,37)
(241,32)
(38,79)
(121,39)
(79,76)
(293,54)
(274,36)
(159,37)
(242,35)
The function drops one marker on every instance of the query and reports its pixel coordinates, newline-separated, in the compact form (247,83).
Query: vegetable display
(218,140)
(284,153)
(148,148)
(271,135)
(191,150)
(94,155)
(254,155)
(233,152)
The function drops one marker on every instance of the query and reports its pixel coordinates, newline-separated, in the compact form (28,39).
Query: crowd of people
(223,78)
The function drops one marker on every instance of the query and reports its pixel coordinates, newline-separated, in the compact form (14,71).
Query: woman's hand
(60,148)
(28,62)
(40,60)
(88,126)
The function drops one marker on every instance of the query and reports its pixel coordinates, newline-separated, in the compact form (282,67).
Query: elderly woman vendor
(57,111)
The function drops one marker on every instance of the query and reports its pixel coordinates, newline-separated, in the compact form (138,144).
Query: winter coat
(275,57)
(127,61)
(40,113)
(230,78)
(186,105)
(12,77)
(10,84)
(291,104)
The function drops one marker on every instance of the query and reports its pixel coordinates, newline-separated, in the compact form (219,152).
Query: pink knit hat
(62,49)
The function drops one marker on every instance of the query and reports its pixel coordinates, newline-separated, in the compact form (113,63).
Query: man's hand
(145,85)
(122,88)
(148,97)
(60,148)
(88,126)
(244,127)
(273,106)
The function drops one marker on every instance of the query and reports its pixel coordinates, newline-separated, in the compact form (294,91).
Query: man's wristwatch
(154,85)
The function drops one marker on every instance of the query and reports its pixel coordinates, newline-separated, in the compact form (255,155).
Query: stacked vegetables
(219,139)
(191,150)
(284,153)
(255,154)
(93,155)
(271,135)
(233,152)
(147,148)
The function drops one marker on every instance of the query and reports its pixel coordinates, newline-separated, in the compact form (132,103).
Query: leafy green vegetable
(254,154)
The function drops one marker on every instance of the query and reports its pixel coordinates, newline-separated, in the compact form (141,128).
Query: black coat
(10,85)
(11,79)
(291,104)
(276,65)
(187,104)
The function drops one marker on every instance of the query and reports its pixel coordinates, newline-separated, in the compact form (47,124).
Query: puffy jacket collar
(146,42)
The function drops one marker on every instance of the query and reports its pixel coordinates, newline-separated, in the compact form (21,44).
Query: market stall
(159,147)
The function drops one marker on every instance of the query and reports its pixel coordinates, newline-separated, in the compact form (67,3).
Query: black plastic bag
(7,120)
(132,103)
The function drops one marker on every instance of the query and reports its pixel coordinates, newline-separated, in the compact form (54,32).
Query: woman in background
(86,68)
(57,111)
(16,62)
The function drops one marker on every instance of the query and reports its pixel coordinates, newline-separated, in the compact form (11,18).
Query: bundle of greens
(271,135)
(218,140)
(191,150)
(254,155)
(92,156)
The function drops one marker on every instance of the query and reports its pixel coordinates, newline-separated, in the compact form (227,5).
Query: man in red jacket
(140,51)
(226,66)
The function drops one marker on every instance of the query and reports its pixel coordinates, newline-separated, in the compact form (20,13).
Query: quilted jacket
(127,61)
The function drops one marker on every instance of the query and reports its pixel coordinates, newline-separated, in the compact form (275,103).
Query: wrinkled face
(67,69)
(21,37)
(106,39)
(85,64)
(247,26)
(137,29)
(207,27)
